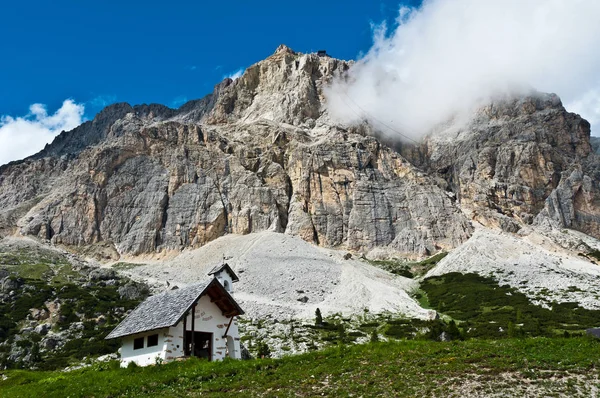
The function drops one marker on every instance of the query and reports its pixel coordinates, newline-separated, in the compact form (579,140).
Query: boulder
(132,291)
(39,314)
(42,329)
(102,274)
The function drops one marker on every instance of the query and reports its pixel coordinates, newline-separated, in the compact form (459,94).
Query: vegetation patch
(485,309)
(122,266)
(52,315)
(594,254)
(393,266)
(508,367)
(409,269)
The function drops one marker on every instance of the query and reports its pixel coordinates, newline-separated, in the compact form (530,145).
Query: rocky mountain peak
(286,87)
(89,133)
(284,49)
(260,153)
(507,162)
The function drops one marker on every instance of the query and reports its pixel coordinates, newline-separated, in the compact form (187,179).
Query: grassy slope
(408,269)
(541,366)
(45,276)
(484,308)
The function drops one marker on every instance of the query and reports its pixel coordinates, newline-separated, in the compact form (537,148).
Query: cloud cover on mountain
(448,56)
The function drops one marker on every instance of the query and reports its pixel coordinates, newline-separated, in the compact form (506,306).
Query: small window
(152,340)
(138,343)
(226,285)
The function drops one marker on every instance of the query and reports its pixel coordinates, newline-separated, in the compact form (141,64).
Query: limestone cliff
(259,153)
(517,162)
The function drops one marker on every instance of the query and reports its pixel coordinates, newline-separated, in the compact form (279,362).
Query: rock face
(519,161)
(257,154)
(261,153)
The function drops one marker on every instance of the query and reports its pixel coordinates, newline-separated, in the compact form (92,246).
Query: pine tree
(519,316)
(374,336)
(35,353)
(341,333)
(511,330)
(263,350)
(318,318)
(453,331)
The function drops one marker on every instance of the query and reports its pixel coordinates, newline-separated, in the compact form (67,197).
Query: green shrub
(263,350)
(318,318)
(374,336)
(487,308)
(132,365)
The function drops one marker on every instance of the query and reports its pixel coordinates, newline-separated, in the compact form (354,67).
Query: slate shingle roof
(160,311)
(225,266)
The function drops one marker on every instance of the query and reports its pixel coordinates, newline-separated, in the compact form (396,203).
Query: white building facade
(198,320)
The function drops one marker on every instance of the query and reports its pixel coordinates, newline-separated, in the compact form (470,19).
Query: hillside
(284,277)
(311,212)
(56,308)
(508,368)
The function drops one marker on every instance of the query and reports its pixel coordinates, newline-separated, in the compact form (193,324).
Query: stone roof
(227,268)
(165,309)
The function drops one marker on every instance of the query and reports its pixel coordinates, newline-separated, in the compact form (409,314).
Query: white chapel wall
(209,319)
(146,355)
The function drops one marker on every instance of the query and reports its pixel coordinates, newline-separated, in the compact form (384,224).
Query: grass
(64,274)
(409,269)
(421,296)
(509,367)
(489,310)
(125,266)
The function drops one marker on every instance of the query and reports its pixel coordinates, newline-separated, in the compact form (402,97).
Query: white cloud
(588,105)
(450,55)
(235,75)
(24,136)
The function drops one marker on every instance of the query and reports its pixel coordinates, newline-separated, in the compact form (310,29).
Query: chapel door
(202,344)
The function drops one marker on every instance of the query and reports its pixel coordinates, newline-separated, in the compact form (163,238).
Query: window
(138,343)
(152,340)
(226,285)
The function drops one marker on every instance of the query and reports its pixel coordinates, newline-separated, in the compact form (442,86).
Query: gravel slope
(532,264)
(276,271)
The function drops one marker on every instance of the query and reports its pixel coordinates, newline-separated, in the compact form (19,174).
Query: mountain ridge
(261,153)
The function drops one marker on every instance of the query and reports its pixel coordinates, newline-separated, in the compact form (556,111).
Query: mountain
(503,208)
(520,161)
(259,153)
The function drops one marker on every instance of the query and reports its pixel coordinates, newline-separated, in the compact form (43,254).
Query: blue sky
(63,61)
(156,51)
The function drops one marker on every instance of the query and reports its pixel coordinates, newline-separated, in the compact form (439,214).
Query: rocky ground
(284,277)
(55,307)
(531,263)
